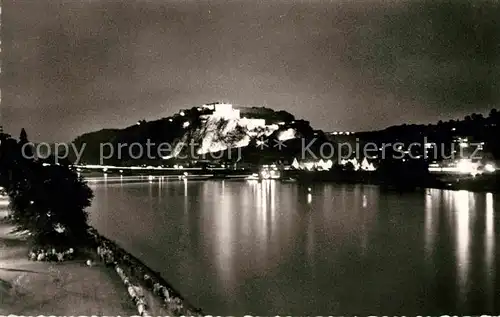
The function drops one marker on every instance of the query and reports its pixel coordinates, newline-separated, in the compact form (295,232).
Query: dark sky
(77,66)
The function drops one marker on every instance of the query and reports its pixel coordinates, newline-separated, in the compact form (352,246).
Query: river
(239,247)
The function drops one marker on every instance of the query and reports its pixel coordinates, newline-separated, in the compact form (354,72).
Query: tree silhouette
(23,138)
(48,202)
(24,143)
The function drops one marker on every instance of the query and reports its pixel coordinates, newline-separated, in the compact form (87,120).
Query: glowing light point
(465,167)
(490,168)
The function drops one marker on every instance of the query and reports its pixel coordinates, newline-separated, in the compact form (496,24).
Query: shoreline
(135,271)
(73,283)
(477,185)
(486,184)
(75,288)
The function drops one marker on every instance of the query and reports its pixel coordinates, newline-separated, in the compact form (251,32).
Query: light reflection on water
(489,260)
(266,247)
(461,212)
(430,222)
(224,243)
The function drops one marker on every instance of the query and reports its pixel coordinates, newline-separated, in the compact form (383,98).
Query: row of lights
(342,133)
(465,167)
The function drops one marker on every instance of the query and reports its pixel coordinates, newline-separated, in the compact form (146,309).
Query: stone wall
(136,276)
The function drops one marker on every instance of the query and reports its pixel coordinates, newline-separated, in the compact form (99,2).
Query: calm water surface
(272,248)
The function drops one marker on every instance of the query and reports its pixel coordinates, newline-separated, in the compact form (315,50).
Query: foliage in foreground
(46,201)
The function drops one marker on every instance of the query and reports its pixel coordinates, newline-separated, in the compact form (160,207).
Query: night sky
(78,66)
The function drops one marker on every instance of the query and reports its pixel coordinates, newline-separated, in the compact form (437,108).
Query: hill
(473,132)
(211,132)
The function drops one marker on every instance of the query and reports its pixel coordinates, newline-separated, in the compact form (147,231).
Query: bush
(47,201)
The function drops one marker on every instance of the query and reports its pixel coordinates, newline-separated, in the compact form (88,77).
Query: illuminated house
(269,172)
(364,165)
(287,135)
(210,106)
(226,111)
(353,161)
(468,158)
(462,167)
(252,124)
(465,147)
(321,165)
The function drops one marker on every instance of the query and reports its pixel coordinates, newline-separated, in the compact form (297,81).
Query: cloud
(81,65)
(444,54)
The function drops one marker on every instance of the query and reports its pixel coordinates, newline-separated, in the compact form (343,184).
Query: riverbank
(74,287)
(47,288)
(146,287)
(480,184)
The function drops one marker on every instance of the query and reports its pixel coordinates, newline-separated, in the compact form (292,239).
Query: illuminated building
(269,172)
(462,167)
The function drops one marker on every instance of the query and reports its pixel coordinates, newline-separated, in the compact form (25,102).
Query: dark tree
(47,201)
(25,145)
(23,138)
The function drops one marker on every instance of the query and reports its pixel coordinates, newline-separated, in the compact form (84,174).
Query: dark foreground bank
(74,282)
(51,288)
(137,276)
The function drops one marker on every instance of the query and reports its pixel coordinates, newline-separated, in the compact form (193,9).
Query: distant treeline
(475,127)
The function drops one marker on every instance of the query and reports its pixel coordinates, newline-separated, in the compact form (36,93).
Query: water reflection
(186,200)
(150,192)
(160,188)
(223,230)
(489,243)
(105,178)
(265,246)
(262,194)
(246,201)
(310,242)
(462,219)
(272,194)
(432,198)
